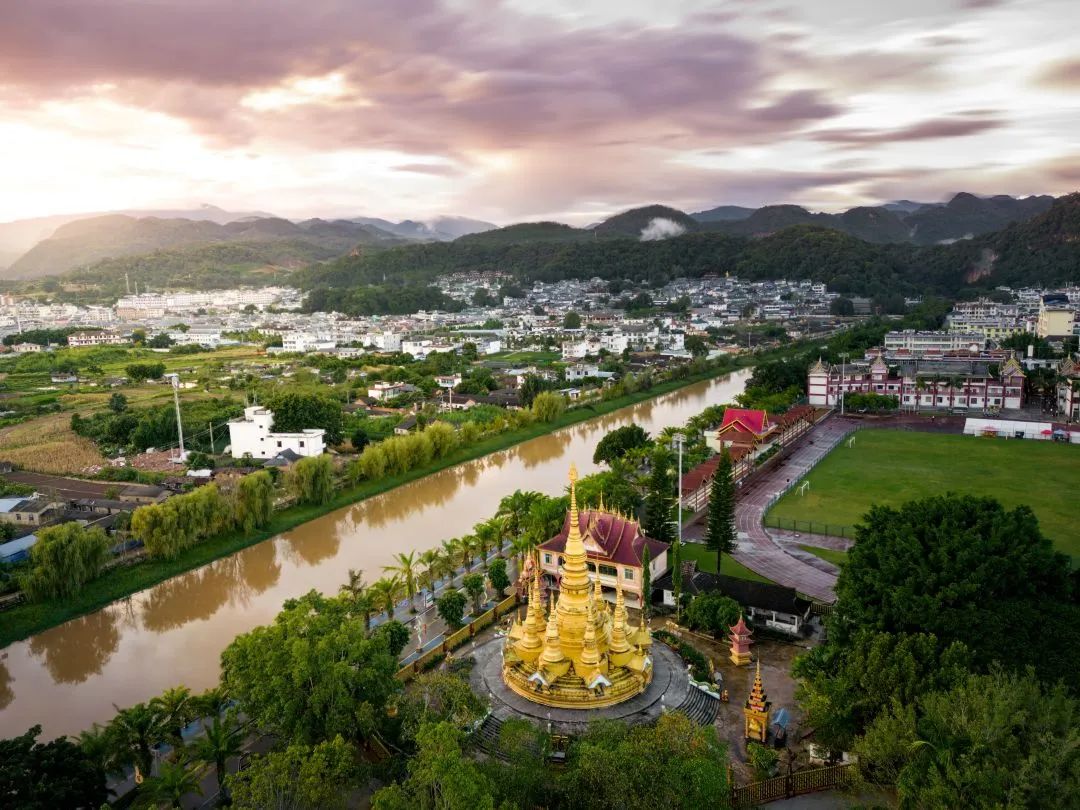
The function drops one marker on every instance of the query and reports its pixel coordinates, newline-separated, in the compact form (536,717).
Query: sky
(512,110)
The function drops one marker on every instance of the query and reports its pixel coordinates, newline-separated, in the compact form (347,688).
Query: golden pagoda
(757,709)
(582,654)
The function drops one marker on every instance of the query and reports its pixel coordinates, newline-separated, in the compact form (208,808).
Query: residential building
(919,343)
(79,339)
(382,391)
(252,435)
(1068,389)
(1057,317)
(29,511)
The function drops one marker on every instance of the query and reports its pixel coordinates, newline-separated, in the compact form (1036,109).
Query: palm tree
(406,569)
(451,550)
(169,787)
(359,594)
(386,592)
(520,547)
(222,740)
(98,745)
(487,536)
(212,702)
(176,709)
(135,731)
(920,386)
(467,550)
(515,507)
(429,565)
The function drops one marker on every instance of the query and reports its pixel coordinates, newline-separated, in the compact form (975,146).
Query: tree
(312,674)
(842,690)
(254,501)
(474,585)
(386,592)
(360,595)
(298,410)
(451,607)
(619,442)
(696,345)
(964,569)
(63,560)
(721,535)
(676,576)
(842,307)
(298,778)
(497,576)
(514,509)
(312,479)
(160,341)
(763,760)
(547,406)
(359,439)
(396,636)
(135,731)
(118,402)
(995,740)
(57,775)
(646,580)
(172,783)
(441,776)
(406,569)
(140,372)
(713,612)
(530,387)
(175,708)
(659,501)
(571,320)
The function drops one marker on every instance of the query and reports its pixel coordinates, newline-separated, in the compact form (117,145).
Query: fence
(796,481)
(456,639)
(809,527)
(794,784)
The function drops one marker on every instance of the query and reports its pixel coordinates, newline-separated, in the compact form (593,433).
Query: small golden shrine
(582,654)
(756,711)
(740,643)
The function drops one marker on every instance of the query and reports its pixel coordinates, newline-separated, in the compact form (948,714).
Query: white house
(304,342)
(96,339)
(382,391)
(197,336)
(252,435)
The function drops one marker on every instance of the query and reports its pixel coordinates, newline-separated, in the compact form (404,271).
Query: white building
(78,339)
(915,342)
(251,435)
(383,391)
(207,338)
(304,342)
(384,341)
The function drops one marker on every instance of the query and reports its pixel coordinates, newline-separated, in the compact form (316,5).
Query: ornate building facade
(582,654)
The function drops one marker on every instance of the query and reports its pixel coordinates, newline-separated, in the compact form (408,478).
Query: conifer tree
(721,535)
(659,500)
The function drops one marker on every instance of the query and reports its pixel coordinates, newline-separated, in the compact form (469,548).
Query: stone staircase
(699,706)
(486,737)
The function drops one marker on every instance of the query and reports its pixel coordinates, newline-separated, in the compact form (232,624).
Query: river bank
(30,618)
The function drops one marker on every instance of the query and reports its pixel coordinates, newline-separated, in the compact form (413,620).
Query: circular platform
(669,688)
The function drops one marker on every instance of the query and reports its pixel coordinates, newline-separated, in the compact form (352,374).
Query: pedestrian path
(773,558)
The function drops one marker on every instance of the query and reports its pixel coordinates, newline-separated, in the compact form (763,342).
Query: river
(173,633)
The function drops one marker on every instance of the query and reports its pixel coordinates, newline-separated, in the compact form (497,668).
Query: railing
(809,527)
(794,784)
(457,638)
(798,479)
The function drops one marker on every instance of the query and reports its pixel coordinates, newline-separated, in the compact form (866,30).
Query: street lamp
(677,441)
(843,378)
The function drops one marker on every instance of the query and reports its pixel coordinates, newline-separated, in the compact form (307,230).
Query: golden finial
(600,508)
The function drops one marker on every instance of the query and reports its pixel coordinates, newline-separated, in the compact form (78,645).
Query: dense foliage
(297,410)
(56,775)
(64,559)
(619,442)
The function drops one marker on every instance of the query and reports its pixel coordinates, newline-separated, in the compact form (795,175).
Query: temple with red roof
(614,544)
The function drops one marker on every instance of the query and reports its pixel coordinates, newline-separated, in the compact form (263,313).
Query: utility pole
(843,378)
(678,440)
(211,438)
(175,378)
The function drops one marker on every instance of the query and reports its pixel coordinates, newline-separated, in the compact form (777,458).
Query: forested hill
(1045,249)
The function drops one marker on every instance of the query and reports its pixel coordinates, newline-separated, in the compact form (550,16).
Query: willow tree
(64,559)
(254,501)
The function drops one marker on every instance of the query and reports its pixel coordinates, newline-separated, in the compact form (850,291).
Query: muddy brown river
(173,633)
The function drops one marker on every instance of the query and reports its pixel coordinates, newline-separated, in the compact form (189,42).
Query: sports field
(891,466)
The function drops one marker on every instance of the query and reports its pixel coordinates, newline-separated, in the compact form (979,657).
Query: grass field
(891,467)
(706,561)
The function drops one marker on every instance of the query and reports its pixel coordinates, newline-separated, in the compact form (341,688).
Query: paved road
(757,550)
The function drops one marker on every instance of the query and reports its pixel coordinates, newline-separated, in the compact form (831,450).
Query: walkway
(757,550)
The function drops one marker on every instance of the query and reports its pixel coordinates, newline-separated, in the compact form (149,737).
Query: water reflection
(6,693)
(80,648)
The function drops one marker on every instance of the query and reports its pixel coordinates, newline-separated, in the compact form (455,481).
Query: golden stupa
(582,654)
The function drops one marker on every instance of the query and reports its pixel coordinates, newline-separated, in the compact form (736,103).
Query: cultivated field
(890,467)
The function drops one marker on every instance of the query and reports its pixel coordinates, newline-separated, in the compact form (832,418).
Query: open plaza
(893,466)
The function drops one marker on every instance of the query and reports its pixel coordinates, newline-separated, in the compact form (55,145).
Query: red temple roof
(618,539)
(746,420)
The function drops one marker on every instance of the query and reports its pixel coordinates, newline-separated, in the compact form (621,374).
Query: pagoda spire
(758,701)
(590,653)
(619,643)
(757,710)
(575,576)
(531,643)
(553,653)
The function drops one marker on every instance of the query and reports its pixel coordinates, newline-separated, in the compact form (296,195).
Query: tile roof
(608,538)
(746,419)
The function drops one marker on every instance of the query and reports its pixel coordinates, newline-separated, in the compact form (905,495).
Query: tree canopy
(56,775)
(619,442)
(296,410)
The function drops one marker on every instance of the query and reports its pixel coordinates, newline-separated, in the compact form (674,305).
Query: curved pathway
(757,550)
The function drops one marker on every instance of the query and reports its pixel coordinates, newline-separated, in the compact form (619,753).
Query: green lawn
(891,467)
(706,561)
(827,554)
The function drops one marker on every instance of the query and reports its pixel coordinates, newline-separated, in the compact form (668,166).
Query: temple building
(582,654)
(614,548)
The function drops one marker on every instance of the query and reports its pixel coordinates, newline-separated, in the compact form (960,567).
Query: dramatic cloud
(508,109)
